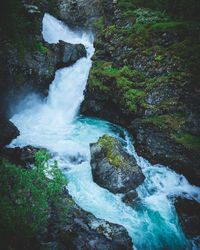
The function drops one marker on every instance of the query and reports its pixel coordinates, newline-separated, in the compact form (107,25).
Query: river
(55,123)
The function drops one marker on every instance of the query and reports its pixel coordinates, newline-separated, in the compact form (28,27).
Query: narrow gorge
(117,120)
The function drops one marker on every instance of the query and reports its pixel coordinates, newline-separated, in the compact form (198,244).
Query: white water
(56,125)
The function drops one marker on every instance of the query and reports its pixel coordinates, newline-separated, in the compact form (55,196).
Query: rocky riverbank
(28,64)
(145,77)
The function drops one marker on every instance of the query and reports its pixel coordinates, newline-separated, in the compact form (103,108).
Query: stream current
(55,124)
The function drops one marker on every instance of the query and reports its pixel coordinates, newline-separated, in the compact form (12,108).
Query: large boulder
(66,54)
(189,216)
(8,131)
(112,167)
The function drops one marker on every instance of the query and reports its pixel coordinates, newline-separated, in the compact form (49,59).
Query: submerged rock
(130,197)
(112,167)
(8,131)
(189,216)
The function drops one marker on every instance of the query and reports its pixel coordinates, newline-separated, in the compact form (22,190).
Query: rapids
(54,123)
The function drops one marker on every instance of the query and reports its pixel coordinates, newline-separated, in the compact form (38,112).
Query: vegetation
(99,24)
(167,121)
(40,47)
(147,16)
(189,141)
(111,147)
(181,9)
(25,199)
(109,143)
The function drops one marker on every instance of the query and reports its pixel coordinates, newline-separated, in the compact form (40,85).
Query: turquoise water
(55,124)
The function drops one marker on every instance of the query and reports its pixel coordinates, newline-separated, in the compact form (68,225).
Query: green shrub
(147,16)
(159,58)
(40,47)
(25,198)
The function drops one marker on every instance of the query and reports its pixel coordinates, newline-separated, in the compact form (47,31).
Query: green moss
(109,144)
(111,148)
(99,24)
(135,95)
(124,83)
(166,105)
(98,44)
(127,5)
(167,26)
(50,69)
(131,106)
(159,58)
(139,36)
(167,121)
(189,141)
(40,47)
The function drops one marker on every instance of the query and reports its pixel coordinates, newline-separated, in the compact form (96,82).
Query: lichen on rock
(112,167)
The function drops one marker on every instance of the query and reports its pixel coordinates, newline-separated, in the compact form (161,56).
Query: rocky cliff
(145,77)
(28,63)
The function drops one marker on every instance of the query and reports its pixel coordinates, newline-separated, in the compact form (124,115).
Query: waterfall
(54,123)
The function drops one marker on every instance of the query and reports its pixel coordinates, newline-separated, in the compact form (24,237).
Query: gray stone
(112,167)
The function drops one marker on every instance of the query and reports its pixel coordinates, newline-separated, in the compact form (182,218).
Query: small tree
(26,196)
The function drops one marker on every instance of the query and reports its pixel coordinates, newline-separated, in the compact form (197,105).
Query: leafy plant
(26,196)
(40,47)
(147,16)
(159,58)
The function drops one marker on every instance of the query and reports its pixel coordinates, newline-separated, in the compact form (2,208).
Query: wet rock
(189,216)
(8,131)
(87,13)
(66,54)
(79,13)
(112,167)
(20,156)
(156,145)
(83,231)
(129,197)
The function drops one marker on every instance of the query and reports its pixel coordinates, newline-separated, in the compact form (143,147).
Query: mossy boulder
(112,167)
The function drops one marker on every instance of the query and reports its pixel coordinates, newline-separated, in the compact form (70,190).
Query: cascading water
(55,125)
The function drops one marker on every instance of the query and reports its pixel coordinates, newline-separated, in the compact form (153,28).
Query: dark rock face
(142,82)
(112,167)
(155,144)
(66,54)
(30,66)
(78,13)
(20,156)
(36,71)
(84,231)
(189,216)
(8,131)
(87,13)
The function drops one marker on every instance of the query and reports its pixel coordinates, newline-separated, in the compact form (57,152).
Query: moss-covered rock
(149,71)
(112,167)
